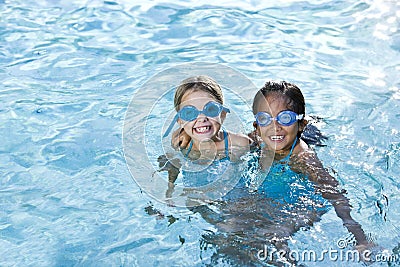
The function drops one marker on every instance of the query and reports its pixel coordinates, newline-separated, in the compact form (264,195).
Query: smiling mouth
(202,129)
(277,137)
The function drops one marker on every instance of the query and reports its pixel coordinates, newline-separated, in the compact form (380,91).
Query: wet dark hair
(292,93)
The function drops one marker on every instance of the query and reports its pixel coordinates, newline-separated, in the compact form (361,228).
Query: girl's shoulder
(302,150)
(239,145)
(303,155)
(305,160)
(237,139)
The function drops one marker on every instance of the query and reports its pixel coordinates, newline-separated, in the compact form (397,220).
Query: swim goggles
(190,113)
(284,118)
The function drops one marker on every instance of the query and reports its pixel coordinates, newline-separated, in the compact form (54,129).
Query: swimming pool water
(68,72)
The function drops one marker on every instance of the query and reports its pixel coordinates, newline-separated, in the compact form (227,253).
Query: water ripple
(69,69)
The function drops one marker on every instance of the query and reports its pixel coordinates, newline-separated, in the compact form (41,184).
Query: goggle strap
(226,109)
(171,126)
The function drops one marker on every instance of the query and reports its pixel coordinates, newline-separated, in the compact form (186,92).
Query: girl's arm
(309,164)
(173,169)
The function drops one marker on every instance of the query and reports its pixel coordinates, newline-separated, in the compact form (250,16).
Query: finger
(184,140)
(175,139)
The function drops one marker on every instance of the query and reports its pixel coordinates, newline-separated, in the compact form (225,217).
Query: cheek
(262,132)
(216,120)
(295,128)
(219,120)
(185,124)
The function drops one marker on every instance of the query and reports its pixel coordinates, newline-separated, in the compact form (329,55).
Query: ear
(223,116)
(256,128)
(302,124)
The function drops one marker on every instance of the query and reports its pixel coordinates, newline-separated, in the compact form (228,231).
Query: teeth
(202,129)
(276,137)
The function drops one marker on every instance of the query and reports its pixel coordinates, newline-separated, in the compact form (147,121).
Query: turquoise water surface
(69,69)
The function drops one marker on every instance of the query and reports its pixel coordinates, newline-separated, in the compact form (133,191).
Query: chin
(275,147)
(201,137)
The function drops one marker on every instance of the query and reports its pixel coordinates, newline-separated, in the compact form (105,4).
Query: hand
(255,138)
(368,252)
(180,139)
(170,202)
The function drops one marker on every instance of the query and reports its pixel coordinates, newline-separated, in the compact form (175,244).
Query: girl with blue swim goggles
(284,118)
(190,113)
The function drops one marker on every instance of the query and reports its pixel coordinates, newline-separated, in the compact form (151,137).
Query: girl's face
(202,127)
(277,137)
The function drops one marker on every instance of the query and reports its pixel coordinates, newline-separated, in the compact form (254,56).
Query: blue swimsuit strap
(286,159)
(189,149)
(226,146)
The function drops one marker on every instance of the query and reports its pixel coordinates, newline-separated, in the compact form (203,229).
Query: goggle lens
(285,118)
(211,109)
(188,113)
(264,119)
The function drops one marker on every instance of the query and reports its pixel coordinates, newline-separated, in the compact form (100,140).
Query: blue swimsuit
(211,172)
(286,187)
(282,164)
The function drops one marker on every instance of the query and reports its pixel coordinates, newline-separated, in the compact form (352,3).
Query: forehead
(273,103)
(196,98)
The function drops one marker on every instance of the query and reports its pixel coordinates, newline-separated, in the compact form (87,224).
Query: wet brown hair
(201,83)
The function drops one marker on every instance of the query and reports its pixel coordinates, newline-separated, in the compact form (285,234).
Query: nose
(202,117)
(276,125)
